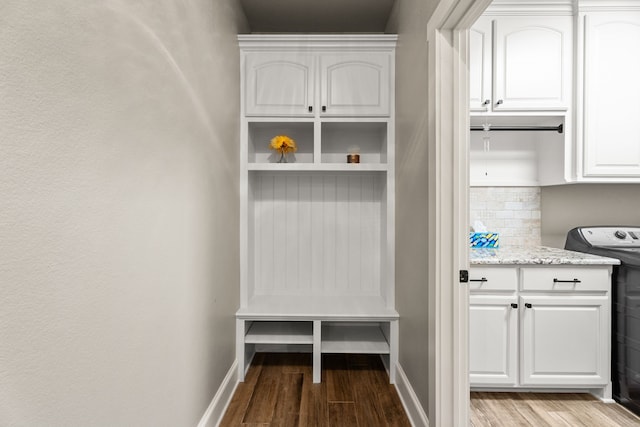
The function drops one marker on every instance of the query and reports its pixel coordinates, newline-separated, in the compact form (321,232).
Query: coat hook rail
(559,128)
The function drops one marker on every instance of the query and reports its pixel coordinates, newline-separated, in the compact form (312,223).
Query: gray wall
(566,206)
(119,209)
(409,20)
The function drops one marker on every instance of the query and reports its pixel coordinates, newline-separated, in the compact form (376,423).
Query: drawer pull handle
(566,281)
(484,279)
(528,305)
(514,305)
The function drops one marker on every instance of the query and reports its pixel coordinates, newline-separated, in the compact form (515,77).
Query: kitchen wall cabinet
(521,75)
(521,63)
(608,133)
(518,53)
(351,81)
(540,327)
(480,64)
(317,233)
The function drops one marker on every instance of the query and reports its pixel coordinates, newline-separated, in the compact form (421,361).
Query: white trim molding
(448,213)
(607,5)
(296,42)
(409,399)
(531,7)
(214,413)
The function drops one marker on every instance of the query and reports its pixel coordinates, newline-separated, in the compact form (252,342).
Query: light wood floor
(278,391)
(543,409)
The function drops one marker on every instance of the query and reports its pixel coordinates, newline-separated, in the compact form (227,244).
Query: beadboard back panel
(316,233)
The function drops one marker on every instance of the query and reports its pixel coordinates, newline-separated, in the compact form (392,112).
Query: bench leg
(317,351)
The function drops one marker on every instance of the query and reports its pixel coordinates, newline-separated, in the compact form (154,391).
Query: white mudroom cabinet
(317,233)
(350,81)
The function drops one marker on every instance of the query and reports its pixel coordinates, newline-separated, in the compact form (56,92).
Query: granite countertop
(514,255)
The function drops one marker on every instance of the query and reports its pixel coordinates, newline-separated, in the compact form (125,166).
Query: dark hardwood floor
(279,391)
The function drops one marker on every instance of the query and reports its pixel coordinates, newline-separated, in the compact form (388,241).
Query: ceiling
(317,16)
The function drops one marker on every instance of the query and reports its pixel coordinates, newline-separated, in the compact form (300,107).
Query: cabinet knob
(486,102)
(310,109)
(324,108)
(514,305)
(528,305)
(500,101)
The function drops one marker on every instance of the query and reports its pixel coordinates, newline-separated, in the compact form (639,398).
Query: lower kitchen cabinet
(565,340)
(551,329)
(493,340)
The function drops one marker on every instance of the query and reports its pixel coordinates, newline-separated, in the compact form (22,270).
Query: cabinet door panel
(612,94)
(492,340)
(480,64)
(564,341)
(355,84)
(532,63)
(278,84)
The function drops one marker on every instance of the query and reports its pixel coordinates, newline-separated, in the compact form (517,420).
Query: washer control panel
(625,237)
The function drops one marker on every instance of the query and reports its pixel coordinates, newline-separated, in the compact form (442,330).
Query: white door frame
(448,209)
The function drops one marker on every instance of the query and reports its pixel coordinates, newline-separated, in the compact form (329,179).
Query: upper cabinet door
(480,59)
(279,84)
(532,63)
(355,84)
(611,102)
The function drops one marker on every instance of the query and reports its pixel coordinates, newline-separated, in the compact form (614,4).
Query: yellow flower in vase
(283,144)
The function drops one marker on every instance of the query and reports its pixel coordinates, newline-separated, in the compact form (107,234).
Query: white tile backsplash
(514,212)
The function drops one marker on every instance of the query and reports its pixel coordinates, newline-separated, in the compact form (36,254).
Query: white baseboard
(214,413)
(410,401)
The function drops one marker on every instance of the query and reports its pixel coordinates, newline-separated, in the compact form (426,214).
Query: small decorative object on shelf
(354,154)
(283,145)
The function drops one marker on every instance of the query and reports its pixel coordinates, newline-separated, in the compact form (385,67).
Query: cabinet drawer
(493,279)
(566,279)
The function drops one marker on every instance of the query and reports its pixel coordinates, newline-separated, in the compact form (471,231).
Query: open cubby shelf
(260,135)
(320,335)
(326,143)
(268,332)
(364,338)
